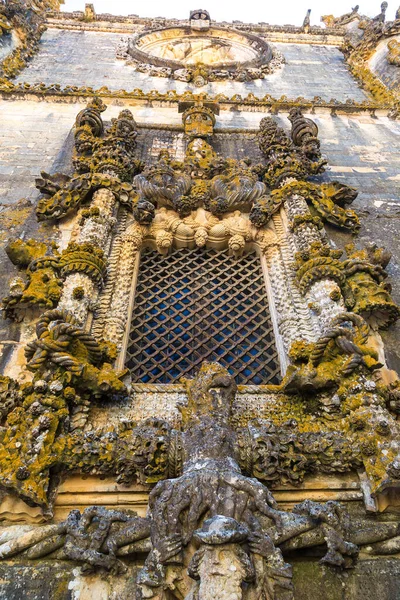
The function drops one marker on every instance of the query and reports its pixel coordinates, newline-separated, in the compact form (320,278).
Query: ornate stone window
(201,304)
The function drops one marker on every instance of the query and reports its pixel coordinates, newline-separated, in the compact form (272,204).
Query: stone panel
(389,74)
(88,58)
(370,579)
(32,135)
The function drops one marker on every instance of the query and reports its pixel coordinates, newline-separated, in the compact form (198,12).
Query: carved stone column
(80,289)
(290,161)
(118,312)
(292,316)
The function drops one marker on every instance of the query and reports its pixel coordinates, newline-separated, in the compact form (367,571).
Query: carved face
(212,392)
(144,212)
(221,571)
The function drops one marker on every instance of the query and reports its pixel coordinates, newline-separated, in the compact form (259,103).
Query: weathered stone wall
(378,579)
(89,58)
(389,74)
(362,151)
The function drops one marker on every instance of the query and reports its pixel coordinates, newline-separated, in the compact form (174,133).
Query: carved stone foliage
(328,202)
(394,53)
(161,184)
(297,157)
(202,179)
(27,22)
(70,368)
(212,514)
(61,344)
(361,279)
(102,160)
(46,271)
(337,354)
(42,285)
(222,185)
(359,51)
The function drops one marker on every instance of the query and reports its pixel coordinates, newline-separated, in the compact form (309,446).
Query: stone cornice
(118,24)
(74,94)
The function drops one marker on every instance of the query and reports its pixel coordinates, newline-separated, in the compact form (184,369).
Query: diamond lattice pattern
(196,305)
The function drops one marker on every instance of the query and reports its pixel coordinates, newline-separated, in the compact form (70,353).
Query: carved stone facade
(201,488)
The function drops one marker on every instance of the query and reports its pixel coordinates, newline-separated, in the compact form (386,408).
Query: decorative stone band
(293,316)
(266,103)
(319,296)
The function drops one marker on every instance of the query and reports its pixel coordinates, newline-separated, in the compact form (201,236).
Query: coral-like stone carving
(394,53)
(235,187)
(103,162)
(329,201)
(337,354)
(61,344)
(83,258)
(192,525)
(287,159)
(365,276)
(361,279)
(161,184)
(42,285)
(220,185)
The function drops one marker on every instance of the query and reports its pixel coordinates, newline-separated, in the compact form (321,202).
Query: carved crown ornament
(334,411)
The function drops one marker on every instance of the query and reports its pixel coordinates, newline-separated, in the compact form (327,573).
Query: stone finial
(90,13)
(382,15)
(306,22)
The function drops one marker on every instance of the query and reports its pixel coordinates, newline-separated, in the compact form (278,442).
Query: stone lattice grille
(196,305)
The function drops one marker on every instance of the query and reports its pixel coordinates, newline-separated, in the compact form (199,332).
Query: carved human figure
(211,532)
(239,510)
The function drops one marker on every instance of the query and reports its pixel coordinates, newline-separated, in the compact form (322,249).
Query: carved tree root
(178,505)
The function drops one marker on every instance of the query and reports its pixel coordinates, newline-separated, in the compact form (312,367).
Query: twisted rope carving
(55,330)
(347,339)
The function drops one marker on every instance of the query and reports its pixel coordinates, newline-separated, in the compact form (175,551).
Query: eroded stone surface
(89,58)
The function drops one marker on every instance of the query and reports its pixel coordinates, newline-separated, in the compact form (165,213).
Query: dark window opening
(197,305)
